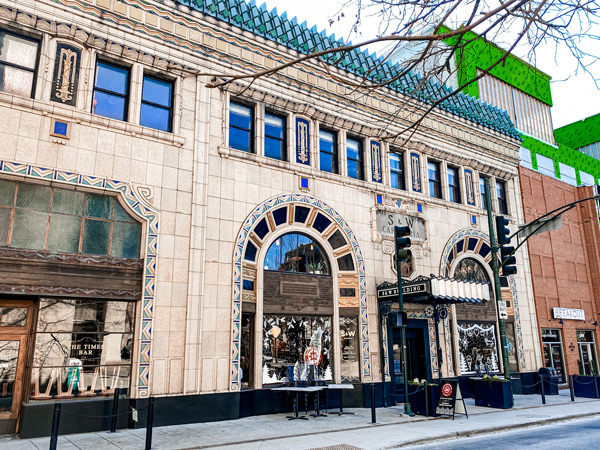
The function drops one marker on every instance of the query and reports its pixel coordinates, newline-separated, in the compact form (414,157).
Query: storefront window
(349,349)
(297,253)
(588,362)
(82,348)
(477,346)
(296,349)
(552,348)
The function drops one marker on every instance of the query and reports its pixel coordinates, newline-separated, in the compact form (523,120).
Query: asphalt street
(572,434)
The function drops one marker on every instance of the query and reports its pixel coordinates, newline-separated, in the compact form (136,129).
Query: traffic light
(503,240)
(398,319)
(502,230)
(402,243)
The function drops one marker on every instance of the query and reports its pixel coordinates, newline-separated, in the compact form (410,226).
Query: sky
(574,95)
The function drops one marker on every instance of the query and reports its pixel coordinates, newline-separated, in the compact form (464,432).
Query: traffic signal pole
(496,271)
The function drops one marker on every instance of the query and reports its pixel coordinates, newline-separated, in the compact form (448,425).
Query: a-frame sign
(451,401)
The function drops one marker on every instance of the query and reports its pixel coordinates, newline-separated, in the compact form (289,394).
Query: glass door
(15,326)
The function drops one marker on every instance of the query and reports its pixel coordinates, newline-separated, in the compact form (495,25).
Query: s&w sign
(386,221)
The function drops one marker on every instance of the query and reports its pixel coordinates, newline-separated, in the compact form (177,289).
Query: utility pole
(496,271)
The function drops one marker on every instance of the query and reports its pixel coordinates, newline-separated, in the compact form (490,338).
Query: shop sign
(568,313)
(447,402)
(387,221)
(417,288)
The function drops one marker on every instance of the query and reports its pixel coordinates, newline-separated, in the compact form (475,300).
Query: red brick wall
(565,263)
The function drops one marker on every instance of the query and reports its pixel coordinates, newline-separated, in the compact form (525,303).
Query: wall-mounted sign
(386,221)
(568,313)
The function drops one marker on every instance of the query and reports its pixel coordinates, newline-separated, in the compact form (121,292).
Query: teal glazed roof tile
(280,29)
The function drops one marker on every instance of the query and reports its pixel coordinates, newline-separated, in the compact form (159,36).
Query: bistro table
(307,390)
(341,388)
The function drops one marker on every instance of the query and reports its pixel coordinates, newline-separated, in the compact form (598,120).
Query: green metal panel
(579,134)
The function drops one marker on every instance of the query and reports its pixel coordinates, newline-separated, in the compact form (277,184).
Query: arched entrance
(472,247)
(325,228)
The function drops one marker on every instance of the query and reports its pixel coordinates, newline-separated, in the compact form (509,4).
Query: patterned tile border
(238,255)
(444,269)
(145,212)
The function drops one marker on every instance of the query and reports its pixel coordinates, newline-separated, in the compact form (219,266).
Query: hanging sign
(447,402)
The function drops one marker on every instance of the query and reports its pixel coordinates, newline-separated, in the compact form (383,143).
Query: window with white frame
(241,127)
(18,64)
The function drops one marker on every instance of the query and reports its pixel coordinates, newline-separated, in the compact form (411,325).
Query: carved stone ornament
(66,74)
(302,141)
(469,190)
(388,247)
(376,171)
(415,164)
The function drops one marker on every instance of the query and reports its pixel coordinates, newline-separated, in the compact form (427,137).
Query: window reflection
(297,253)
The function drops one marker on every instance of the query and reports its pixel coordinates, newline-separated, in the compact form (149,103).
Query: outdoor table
(306,391)
(341,388)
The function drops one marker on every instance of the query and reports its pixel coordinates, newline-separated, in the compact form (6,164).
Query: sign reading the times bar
(568,313)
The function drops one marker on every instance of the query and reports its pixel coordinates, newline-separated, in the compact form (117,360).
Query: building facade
(199,243)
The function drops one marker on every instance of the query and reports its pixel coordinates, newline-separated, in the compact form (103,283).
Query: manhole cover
(338,447)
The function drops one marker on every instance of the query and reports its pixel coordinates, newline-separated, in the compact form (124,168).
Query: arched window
(297,252)
(470,269)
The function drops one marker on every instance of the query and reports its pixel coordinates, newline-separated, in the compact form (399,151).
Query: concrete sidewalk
(347,432)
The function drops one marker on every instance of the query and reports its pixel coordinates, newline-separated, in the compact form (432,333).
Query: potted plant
(423,397)
(493,392)
(587,385)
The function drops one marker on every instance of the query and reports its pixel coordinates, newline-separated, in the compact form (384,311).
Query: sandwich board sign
(451,401)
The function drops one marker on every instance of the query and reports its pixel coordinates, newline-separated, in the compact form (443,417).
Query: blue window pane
(112,78)
(155,117)
(239,139)
(98,206)
(96,235)
(353,149)
(394,162)
(126,240)
(240,116)
(353,171)
(274,126)
(326,162)
(394,180)
(157,92)
(108,105)
(121,214)
(274,148)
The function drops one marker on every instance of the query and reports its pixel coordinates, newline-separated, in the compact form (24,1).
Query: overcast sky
(575,97)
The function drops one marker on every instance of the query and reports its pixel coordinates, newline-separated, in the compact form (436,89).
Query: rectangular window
(157,104)
(588,362)
(241,127)
(501,194)
(111,91)
(397,171)
(18,62)
(354,156)
(328,151)
(275,142)
(552,349)
(454,185)
(482,192)
(433,172)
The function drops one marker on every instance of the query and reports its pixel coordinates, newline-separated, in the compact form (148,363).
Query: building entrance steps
(392,429)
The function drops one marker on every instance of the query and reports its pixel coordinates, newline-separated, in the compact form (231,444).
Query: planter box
(416,397)
(493,394)
(524,383)
(586,386)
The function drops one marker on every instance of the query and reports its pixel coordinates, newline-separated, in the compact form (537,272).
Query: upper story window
(354,156)
(501,195)
(157,104)
(60,220)
(482,192)
(241,127)
(435,184)
(453,185)
(18,62)
(328,151)
(275,142)
(397,171)
(111,91)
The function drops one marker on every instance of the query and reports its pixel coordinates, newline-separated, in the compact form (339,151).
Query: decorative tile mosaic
(145,212)
(243,236)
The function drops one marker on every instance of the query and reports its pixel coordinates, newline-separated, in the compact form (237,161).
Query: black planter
(493,394)
(416,397)
(586,386)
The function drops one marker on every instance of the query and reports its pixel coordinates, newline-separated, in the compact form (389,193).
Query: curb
(464,434)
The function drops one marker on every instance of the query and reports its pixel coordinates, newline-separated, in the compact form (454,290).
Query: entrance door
(416,354)
(15,326)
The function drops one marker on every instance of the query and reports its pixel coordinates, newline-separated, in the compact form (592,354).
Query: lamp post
(402,253)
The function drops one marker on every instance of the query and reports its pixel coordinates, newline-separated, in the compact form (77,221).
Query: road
(573,434)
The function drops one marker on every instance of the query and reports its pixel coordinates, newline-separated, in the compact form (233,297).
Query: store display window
(350,347)
(553,354)
(478,348)
(588,361)
(82,348)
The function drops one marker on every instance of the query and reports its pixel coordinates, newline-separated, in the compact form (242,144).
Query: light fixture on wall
(560,321)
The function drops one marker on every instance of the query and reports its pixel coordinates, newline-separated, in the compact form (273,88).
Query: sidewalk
(347,432)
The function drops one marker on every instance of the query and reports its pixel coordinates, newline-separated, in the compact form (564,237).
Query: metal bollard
(543,392)
(55,423)
(113,420)
(373,416)
(149,423)
(571,388)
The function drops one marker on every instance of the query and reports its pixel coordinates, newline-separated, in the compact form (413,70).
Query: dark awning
(436,290)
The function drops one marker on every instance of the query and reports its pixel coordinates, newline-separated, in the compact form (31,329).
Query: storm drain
(338,447)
